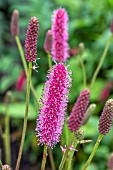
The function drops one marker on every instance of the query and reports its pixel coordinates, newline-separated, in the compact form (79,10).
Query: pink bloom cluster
(60,35)
(31,40)
(106,118)
(79,109)
(54,103)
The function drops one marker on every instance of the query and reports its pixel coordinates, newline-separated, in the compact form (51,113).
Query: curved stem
(102,60)
(51,159)
(25,117)
(49,60)
(93,151)
(25,65)
(83,70)
(44,158)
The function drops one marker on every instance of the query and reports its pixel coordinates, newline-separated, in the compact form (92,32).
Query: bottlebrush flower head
(14,23)
(78,111)
(48,41)
(54,103)
(31,40)
(106,117)
(60,35)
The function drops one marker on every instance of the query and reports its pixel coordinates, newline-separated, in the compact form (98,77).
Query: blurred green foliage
(89,22)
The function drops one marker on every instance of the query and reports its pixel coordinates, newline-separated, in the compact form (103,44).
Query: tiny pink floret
(60,46)
(54,103)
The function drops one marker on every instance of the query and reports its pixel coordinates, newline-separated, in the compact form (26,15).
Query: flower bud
(48,41)
(14,23)
(106,117)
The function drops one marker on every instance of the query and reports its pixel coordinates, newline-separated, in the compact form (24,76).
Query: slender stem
(21,53)
(51,159)
(102,60)
(83,70)
(0,163)
(44,158)
(93,151)
(7,140)
(6,134)
(25,117)
(25,65)
(63,159)
(71,153)
(49,60)
(65,155)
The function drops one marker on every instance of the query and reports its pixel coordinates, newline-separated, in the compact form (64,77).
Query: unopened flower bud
(48,41)
(88,113)
(81,48)
(14,23)
(106,118)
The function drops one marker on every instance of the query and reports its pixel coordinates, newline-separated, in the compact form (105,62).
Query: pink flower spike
(31,40)
(60,46)
(54,103)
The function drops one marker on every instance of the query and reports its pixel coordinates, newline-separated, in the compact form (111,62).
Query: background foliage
(89,22)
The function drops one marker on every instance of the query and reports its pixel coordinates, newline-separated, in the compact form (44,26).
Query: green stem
(0,164)
(93,151)
(49,60)
(6,134)
(83,70)
(102,60)
(25,117)
(25,65)
(51,159)
(71,153)
(21,53)
(44,158)
(7,140)
(65,155)
(63,159)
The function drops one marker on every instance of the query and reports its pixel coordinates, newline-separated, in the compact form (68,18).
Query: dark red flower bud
(106,117)
(79,109)
(110,162)
(14,23)
(31,40)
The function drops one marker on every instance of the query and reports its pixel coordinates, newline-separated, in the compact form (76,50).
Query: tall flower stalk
(30,53)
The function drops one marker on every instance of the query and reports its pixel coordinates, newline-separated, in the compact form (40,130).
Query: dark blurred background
(89,22)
